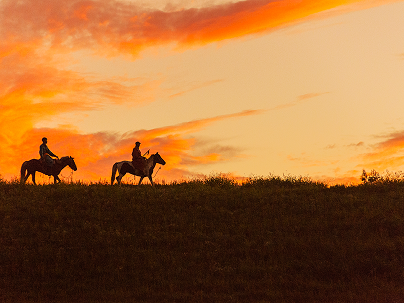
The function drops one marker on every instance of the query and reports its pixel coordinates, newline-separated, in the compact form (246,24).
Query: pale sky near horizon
(317,91)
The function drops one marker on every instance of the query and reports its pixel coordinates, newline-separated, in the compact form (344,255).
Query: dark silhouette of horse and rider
(46,164)
(139,166)
(49,164)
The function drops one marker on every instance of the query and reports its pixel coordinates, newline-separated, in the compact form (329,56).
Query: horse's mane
(65,157)
(152,155)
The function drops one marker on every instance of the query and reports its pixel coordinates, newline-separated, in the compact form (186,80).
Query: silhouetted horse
(124,167)
(35,165)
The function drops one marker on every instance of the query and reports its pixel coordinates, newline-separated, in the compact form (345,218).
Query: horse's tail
(23,170)
(114,169)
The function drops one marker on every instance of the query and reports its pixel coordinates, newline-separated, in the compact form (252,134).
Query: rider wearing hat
(138,160)
(45,153)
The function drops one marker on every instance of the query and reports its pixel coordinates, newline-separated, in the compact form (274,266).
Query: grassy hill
(268,240)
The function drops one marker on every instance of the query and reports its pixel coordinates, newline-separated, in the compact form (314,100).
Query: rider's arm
(50,153)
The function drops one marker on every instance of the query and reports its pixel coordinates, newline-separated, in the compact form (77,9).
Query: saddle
(47,169)
(139,163)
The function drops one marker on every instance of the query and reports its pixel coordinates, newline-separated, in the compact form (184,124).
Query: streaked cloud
(300,99)
(96,153)
(359,144)
(116,27)
(193,87)
(387,154)
(331,146)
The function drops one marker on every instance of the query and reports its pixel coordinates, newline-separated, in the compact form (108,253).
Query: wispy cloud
(196,86)
(386,154)
(309,96)
(300,99)
(356,145)
(115,27)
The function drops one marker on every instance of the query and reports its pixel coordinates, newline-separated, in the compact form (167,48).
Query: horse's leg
(33,176)
(151,180)
(26,177)
(113,174)
(141,179)
(56,179)
(22,173)
(119,178)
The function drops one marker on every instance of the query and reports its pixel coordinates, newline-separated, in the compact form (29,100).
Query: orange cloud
(34,89)
(386,154)
(96,153)
(115,27)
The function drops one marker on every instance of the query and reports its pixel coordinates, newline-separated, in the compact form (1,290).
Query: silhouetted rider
(45,153)
(138,160)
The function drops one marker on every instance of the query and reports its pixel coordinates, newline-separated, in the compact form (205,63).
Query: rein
(156,172)
(68,177)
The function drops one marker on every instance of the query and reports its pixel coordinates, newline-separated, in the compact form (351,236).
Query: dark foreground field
(270,240)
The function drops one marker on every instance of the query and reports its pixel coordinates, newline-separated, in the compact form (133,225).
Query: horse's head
(70,162)
(158,159)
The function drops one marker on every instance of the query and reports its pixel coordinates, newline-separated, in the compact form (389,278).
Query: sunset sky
(310,88)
